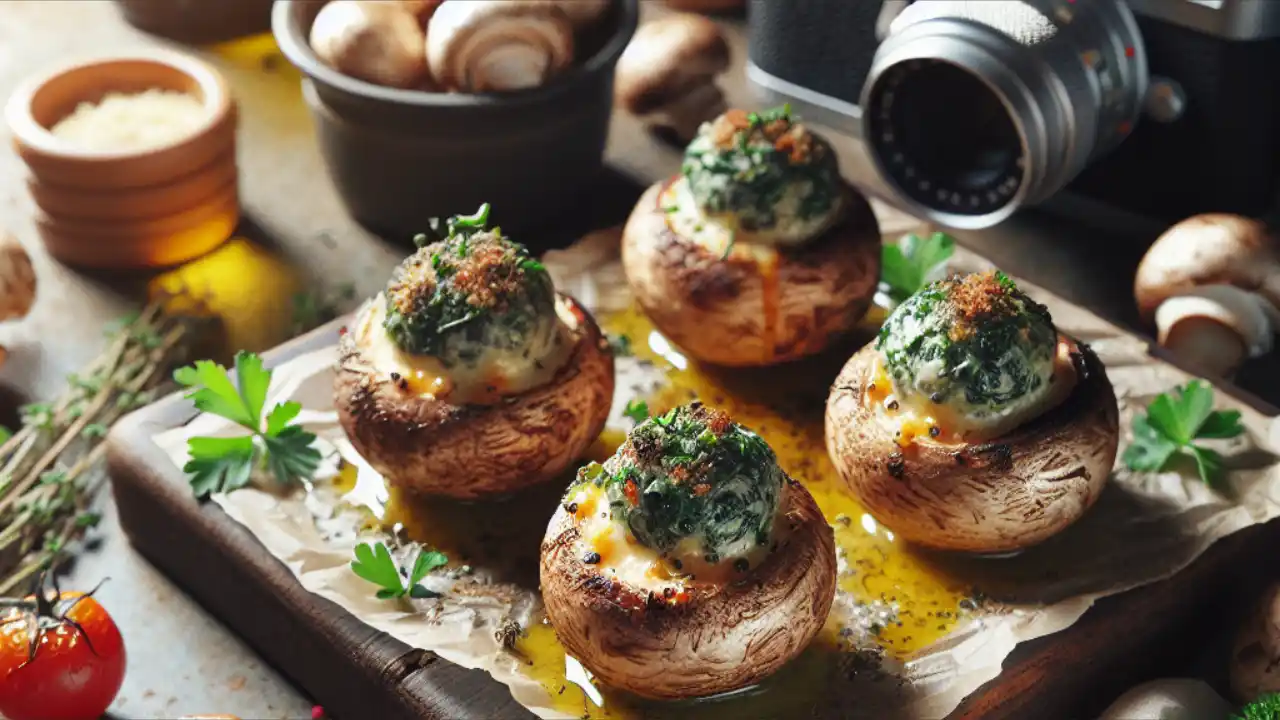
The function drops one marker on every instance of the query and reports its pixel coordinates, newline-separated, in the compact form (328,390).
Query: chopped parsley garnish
(1264,707)
(471,291)
(373,562)
(1172,424)
(620,345)
(745,163)
(223,464)
(976,341)
(637,410)
(692,473)
(906,265)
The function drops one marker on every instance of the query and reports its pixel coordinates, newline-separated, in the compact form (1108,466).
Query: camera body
(1181,115)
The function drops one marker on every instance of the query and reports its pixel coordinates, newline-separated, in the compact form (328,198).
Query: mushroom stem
(1215,328)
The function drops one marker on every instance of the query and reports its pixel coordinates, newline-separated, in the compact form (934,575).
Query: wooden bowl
(151,242)
(38,104)
(156,201)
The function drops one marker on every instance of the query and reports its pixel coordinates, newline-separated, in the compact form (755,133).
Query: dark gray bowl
(401,157)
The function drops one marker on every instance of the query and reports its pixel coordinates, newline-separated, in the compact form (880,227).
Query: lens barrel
(974,109)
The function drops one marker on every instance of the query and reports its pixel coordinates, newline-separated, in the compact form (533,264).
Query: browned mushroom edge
(701,639)
(429,445)
(752,308)
(991,497)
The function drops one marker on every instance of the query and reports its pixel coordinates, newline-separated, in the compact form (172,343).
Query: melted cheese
(625,558)
(919,419)
(621,555)
(715,231)
(495,374)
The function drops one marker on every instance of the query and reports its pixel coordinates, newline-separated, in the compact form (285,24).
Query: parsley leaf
(1173,422)
(637,410)
(906,266)
(220,464)
(373,562)
(224,464)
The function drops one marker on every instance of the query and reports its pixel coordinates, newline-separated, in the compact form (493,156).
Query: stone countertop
(296,235)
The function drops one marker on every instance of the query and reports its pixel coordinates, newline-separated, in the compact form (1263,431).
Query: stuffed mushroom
(757,252)
(688,564)
(469,375)
(971,423)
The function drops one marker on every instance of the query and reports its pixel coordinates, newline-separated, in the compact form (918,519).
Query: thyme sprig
(50,468)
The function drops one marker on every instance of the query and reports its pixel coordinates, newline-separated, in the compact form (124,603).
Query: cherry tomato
(79,659)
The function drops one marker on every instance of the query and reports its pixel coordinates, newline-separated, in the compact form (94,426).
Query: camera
(972,109)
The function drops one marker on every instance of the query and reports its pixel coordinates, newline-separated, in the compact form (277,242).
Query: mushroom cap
(725,637)
(1255,660)
(1212,249)
(378,42)
(742,311)
(667,59)
(995,497)
(431,446)
(1216,327)
(495,45)
(421,9)
(17,280)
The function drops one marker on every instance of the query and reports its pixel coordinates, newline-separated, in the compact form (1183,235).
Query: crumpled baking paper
(1143,528)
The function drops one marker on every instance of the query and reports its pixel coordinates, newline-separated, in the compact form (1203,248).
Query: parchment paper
(1143,528)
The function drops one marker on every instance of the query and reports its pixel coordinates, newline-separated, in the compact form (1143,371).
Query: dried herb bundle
(50,468)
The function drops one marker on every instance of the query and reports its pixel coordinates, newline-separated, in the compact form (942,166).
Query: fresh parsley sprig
(1174,421)
(905,266)
(223,464)
(1265,707)
(373,562)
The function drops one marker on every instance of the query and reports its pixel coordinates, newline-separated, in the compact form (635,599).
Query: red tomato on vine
(61,657)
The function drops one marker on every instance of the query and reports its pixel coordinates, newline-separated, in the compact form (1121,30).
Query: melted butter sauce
(785,406)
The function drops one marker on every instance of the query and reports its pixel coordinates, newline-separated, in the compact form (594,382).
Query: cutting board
(356,672)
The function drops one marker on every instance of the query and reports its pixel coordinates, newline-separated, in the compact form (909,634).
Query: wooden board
(356,672)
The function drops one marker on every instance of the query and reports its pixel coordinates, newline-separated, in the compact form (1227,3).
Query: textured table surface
(180,659)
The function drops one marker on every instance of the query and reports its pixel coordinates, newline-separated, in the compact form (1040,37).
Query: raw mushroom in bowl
(1211,285)
(758,252)
(470,376)
(667,75)
(688,564)
(378,42)
(972,424)
(498,45)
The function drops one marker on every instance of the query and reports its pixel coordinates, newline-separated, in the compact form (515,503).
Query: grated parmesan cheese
(132,122)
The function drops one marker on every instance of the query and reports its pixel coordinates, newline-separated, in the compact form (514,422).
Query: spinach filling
(467,291)
(748,163)
(976,341)
(692,474)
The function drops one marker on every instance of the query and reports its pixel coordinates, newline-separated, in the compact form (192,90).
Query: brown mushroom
(659,605)
(1211,285)
(989,470)
(506,390)
(668,72)
(498,45)
(1255,661)
(422,10)
(734,296)
(707,6)
(17,280)
(378,42)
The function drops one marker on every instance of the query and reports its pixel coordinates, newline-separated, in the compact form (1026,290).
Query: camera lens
(948,139)
(972,110)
